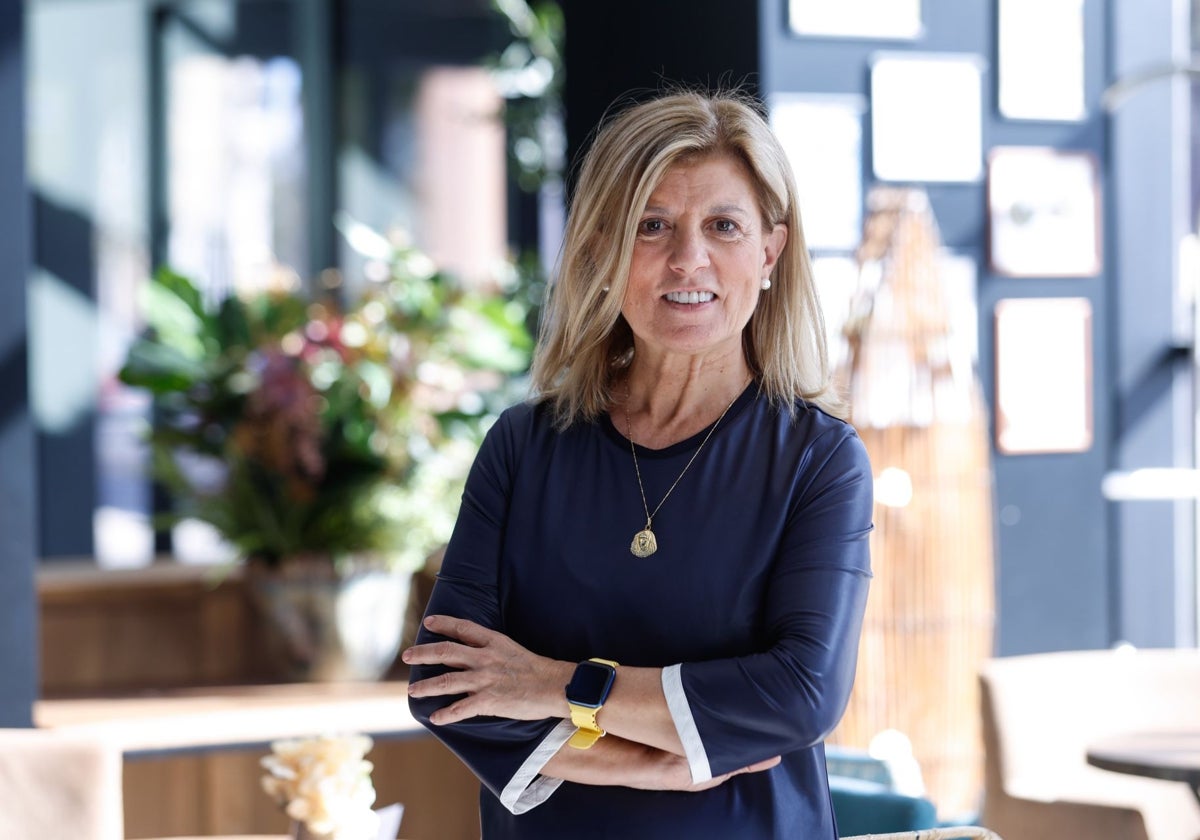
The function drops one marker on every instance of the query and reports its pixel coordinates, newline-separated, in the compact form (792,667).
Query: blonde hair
(585,342)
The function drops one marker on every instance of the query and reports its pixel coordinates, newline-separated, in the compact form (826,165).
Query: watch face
(590,684)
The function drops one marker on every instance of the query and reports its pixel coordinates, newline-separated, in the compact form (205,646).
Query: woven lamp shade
(916,404)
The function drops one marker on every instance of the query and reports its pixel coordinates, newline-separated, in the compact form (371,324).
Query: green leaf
(174,321)
(183,289)
(233,325)
(378,380)
(160,368)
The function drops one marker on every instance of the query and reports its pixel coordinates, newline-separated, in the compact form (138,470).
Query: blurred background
(1049,153)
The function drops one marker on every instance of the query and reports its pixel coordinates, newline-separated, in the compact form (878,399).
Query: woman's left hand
(499,677)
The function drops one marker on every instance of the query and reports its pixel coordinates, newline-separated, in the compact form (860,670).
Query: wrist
(560,674)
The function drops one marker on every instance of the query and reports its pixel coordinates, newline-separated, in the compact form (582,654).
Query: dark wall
(626,48)
(1052,565)
(18,632)
(1056,570)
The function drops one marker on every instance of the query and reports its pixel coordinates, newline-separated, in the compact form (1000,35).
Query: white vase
(332,622)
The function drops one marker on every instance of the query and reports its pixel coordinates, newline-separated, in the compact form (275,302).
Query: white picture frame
(1043,357)
(1041,60)
(927,117)
(836,281)
(823,136)
(1044,212)
(960,281)
(868,19)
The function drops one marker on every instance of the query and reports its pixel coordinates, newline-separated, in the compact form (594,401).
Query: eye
(649,227)
(725,226)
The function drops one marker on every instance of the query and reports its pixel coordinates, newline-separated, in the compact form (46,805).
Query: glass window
(418,140)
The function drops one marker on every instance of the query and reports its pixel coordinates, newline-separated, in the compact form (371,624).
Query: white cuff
(685,725)
(526,789)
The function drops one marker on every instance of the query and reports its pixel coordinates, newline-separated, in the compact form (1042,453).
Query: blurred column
(318,41)
(1152,579)
(18,630)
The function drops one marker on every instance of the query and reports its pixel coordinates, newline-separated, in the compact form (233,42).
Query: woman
(676,500)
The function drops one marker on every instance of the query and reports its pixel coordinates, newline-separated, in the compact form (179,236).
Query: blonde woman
(647,619)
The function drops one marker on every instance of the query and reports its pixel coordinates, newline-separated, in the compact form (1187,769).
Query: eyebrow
(719,209)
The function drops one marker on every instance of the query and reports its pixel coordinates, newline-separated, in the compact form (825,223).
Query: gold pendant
(644,543)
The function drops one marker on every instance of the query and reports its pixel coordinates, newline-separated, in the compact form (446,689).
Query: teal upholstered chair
(867,807)
(849,763)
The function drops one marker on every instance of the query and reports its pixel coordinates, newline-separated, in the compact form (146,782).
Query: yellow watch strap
(583,739)
(585,717)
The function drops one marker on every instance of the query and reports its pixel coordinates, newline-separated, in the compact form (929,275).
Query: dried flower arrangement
(324,785)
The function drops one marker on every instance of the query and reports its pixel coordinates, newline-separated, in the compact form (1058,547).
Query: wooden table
(1174,756)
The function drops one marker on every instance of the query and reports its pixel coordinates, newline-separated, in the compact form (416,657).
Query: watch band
(584,717)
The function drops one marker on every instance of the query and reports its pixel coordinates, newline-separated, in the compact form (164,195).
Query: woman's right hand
(757,767)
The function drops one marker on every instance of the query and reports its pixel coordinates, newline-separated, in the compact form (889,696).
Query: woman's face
(699,260)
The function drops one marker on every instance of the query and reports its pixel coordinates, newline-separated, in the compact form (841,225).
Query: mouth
(690,298)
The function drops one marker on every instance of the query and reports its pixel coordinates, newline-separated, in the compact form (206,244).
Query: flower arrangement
(300,426)
(324,784)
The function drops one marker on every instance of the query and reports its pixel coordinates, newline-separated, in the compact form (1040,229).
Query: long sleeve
(505,755)
(731,712)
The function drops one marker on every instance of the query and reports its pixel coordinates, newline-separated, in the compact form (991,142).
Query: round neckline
(688,443)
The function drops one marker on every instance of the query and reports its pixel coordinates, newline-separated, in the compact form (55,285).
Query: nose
(690,252)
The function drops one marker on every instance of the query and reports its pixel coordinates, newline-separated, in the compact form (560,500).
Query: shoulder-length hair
(585,342)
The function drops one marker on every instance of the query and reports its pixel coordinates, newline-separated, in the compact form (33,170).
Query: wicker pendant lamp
(915,401)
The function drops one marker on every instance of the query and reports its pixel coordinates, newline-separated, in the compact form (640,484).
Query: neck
(670,399)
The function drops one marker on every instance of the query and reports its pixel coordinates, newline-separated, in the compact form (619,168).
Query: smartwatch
(586,693)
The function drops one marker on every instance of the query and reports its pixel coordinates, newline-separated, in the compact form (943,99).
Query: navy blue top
(758,588)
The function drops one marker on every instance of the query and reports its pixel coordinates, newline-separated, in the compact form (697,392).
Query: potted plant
(327,441)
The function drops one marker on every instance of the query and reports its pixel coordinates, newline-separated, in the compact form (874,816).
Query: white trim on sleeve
(685,725)
(526,789)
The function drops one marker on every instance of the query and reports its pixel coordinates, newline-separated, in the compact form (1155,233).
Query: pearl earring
(766,283)
(604,288)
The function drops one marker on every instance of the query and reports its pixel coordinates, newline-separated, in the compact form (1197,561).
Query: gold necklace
(644,542)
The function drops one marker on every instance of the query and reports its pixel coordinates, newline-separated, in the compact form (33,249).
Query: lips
(689,297)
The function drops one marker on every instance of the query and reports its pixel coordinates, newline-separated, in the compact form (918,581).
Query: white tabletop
(189,720)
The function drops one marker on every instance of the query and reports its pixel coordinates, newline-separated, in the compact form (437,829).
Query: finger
(459,628)
(455,712)
(440,653)
(452,682)
(759,766)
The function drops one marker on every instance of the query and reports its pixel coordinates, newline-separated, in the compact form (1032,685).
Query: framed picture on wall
(1043,363)
(1041,59)
(926,117)
(1043,212)
(836,279)
(822,135)
(896,19)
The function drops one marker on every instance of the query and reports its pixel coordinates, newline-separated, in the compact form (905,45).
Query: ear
(773,244)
